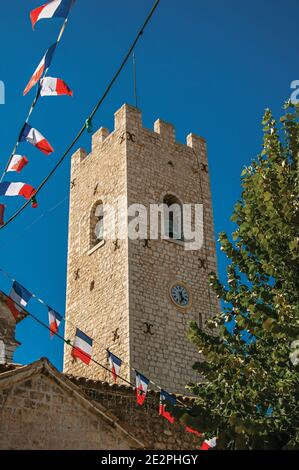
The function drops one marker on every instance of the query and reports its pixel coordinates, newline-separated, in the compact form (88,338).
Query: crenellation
(100,136)
(195,142)
(127,117)
(165,130)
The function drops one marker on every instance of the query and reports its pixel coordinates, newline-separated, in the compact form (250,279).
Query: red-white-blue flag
(54,87)
(54,321)
(209,444)
(41,69)
(193,431)
(17,163)
(115,364)
(54,9)
(141,388)
(34,137)
(17,189)
(82,348)
(21,296)
(164,399)
(2,211)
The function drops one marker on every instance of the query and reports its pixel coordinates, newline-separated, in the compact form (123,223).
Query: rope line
(35,221)
(69,343)
(92,114)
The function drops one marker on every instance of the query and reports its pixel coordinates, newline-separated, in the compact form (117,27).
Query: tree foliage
(249,397)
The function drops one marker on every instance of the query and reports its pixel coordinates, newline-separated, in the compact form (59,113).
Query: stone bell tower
(136,297)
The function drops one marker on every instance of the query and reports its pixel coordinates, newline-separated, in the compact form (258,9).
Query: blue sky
(207,66)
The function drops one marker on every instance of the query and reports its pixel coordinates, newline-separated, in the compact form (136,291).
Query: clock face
(180,295)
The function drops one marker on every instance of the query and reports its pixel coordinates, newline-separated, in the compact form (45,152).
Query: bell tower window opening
(97,224)
(173,218)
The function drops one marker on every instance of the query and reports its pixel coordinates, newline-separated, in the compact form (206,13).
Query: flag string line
(8,276)
(69,343)
(94,111)
(40,217)
(37,96)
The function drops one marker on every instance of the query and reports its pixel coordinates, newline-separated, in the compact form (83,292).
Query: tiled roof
(99,385)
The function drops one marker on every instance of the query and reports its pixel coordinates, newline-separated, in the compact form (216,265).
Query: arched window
(173,218)
(97,224)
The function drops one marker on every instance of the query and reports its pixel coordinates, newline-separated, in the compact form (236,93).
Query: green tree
(249,396)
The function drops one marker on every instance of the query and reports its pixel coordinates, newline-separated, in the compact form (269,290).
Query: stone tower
(136,297)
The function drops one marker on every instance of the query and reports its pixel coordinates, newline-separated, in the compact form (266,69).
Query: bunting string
(62,318)
(34,222)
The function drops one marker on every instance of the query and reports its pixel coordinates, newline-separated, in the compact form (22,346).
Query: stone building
(134,297)
(8,323)
(123,293)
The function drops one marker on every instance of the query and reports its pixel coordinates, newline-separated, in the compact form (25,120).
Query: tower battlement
(129,119)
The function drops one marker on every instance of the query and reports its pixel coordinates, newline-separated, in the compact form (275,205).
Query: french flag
(17,189)
(20,295)
(115,364)
(41,69)
(54,321)
(34,137)
(164,399)
(141,388)
(2,210)
(193,431)
(210,444)
(54,9)
(82,348)
(17,163)
(54,87)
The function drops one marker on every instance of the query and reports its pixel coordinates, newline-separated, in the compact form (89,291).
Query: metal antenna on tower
(135,80)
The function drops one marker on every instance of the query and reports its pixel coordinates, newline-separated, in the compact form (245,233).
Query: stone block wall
(38,415)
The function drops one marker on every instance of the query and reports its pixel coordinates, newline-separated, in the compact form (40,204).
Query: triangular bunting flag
(209,444)
(21,296)
(16,189)
(82,348)
(54,9)
(54,321)
(54,87)
(115,364)
(141,388)
(41,69)
(17,163)
(164,399)
(34,137)
(2,211)
(193,431)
